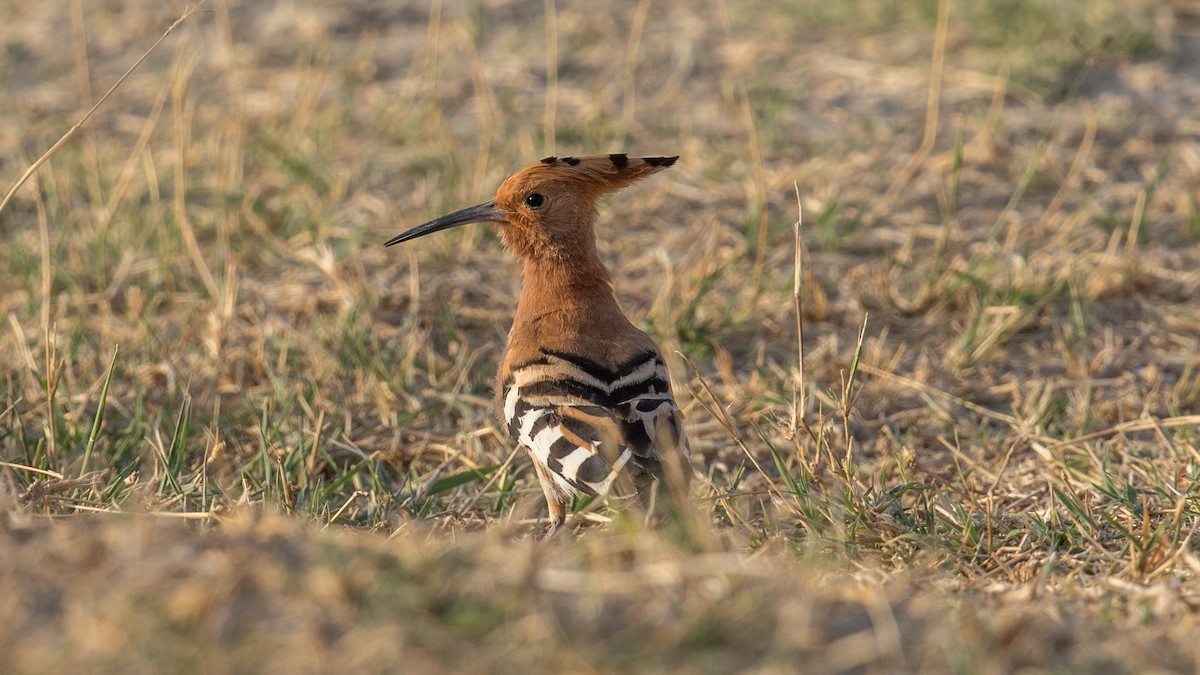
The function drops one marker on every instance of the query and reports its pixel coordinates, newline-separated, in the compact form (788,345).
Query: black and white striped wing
(653,427)
(589,426)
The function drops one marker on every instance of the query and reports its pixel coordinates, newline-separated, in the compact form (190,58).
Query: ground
(950,423)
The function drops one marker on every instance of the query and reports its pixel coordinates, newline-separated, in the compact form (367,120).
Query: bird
(585,392)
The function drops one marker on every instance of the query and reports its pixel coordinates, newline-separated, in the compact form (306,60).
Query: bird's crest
(592,175)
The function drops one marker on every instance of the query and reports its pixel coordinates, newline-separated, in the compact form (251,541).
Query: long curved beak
(485,212)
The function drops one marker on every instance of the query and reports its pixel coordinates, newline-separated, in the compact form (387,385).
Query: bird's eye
(535,200)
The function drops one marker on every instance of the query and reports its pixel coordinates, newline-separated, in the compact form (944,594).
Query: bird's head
(547,208)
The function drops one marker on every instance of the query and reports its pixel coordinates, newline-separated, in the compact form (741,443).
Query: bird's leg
(558,516)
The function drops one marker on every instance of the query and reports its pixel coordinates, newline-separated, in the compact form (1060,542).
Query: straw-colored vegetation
(981,456)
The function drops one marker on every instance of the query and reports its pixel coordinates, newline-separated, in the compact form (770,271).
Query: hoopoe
(581,389)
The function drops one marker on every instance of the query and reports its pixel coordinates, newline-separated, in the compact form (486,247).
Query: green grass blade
(96,424)
(461,478)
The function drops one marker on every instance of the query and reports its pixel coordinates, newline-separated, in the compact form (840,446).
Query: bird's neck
(574,284)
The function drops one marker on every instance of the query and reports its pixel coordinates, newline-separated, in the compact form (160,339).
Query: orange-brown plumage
(580,387)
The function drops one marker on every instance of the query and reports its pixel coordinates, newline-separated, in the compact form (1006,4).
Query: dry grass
(200,322)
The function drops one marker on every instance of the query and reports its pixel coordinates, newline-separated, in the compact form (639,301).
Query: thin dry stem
(931,114)
(188,12)
(550,113)
(1077,164)
(718,413)
(798,300)
(629,100)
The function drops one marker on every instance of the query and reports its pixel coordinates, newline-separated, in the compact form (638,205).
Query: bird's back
(590,398)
